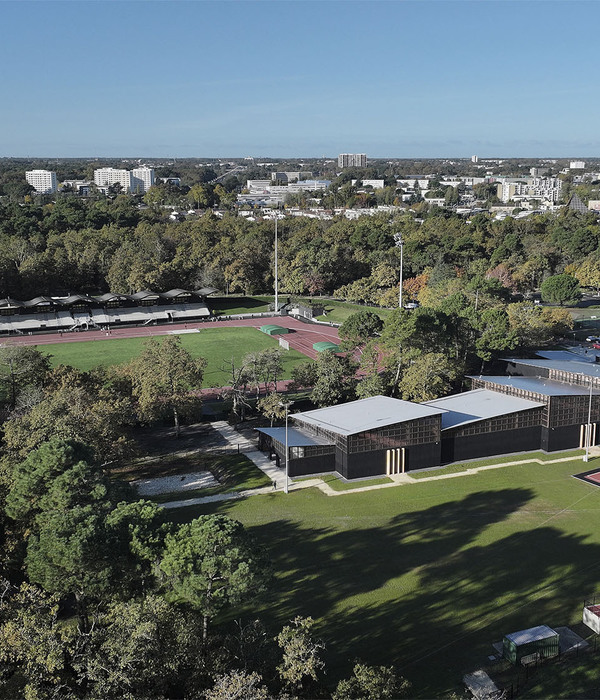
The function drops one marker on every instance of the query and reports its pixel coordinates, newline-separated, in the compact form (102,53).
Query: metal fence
(535,663)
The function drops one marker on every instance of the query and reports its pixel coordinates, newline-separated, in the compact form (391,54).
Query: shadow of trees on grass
(426,591)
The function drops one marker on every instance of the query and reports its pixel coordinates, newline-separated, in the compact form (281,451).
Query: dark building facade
(564,418)
(544,405)
(370,437)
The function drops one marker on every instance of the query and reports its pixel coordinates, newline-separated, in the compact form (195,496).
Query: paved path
(274,473)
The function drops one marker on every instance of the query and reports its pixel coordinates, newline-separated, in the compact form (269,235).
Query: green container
(542,640)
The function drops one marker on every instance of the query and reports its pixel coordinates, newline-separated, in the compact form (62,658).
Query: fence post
(238,445)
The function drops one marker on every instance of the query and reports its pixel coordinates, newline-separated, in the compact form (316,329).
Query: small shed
(272,329)
(591,616)
(542,640)
(326,345)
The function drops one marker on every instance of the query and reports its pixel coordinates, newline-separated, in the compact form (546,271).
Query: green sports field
(217,345)
(427,576)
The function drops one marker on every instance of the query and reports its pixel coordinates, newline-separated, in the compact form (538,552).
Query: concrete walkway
(247,447)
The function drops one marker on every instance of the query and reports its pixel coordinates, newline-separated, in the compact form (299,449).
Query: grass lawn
(217,345)
(465,466)
(338,311)
(428,575)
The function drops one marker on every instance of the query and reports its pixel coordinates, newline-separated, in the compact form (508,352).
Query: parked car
(596,346)
(593,339)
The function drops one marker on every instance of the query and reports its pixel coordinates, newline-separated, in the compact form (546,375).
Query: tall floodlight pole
(588,428)
(287,451)
(276,264)
(400,244)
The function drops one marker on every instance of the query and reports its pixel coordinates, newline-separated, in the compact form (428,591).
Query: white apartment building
(111,176)
(375,184)
(44,181)
(530,188)
(352,160)
(577,165)
(286,176)
(143,179)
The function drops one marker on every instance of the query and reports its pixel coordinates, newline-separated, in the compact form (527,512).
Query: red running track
(302,337)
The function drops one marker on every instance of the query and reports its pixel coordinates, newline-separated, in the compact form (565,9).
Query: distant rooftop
(575,366)
(537,385)
(479,404)
(568,355)
(365,414)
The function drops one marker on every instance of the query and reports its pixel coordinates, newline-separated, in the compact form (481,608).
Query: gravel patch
(171,484)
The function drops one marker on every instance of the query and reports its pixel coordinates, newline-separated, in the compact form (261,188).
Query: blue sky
(278,78)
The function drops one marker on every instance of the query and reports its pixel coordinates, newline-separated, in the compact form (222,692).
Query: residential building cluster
(265,193)
(545,189)
(138,180)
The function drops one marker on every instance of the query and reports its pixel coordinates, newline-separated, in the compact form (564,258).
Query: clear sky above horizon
(299,78)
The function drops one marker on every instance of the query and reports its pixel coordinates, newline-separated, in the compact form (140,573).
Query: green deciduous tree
(301,662)
(212,564)
(372,683)
(165,378)
(427,377)
(145,648)
(496,334)
(33,643)
(24,366)
(271,406)
(358,328)
(76,406)
(238,685)
(265,368)
(335,382)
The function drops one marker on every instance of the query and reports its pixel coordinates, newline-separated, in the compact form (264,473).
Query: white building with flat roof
(113,176)
(44,181)
(143,179)
(375,184)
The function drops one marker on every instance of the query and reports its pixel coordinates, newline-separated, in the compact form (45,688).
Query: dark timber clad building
(540,404)
(373,436)
(482,422)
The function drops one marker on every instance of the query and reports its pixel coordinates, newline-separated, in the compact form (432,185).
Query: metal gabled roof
(365,414)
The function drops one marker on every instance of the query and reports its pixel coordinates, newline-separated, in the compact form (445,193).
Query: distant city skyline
(403,79)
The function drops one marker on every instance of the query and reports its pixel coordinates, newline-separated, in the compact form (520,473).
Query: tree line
(78,246)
